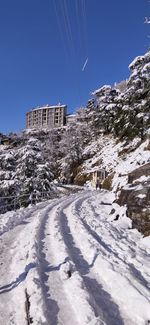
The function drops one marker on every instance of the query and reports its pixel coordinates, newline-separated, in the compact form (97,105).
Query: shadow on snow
(50,305)
(18,280)
(100,300)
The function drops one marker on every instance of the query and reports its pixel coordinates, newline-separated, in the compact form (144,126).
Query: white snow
(141,196)
(109,156)
(103,88)
(136,61)
(143,178)
(48,106)
(76,262)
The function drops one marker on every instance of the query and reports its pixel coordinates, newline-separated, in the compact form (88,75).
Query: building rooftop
(71,115)
(48,106)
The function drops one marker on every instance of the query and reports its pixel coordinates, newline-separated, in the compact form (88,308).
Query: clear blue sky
(44,44)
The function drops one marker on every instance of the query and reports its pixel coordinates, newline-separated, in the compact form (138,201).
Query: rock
(137,173)
(137,198)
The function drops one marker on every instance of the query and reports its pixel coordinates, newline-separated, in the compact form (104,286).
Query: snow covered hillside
(119,122)
(79,258)
(112,132)
(70,261)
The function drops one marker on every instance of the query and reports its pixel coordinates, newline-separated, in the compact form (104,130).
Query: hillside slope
(112,133)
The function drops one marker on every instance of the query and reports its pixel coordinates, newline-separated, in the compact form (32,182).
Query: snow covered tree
(73,142)
(124,114)
(134,119)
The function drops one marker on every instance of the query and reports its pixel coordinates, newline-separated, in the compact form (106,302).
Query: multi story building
(46,117)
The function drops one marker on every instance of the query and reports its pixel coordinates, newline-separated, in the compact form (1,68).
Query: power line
(67,32)
(64,25)
(77,9)
(84,25)
(60,27)
(72,23)
(69,25)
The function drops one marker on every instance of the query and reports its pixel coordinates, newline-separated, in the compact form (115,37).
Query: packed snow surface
(71,261)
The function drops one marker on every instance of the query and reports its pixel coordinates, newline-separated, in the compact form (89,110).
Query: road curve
(66,262)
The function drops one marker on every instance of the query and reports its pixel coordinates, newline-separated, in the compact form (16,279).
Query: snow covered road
(67,261)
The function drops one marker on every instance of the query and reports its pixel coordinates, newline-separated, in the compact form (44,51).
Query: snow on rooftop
(48,106)
(71,115)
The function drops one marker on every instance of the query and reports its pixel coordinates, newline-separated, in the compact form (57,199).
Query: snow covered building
(70,118)
(46,117)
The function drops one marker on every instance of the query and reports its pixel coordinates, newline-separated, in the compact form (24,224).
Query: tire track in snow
(51,227)
(130,267)
(119,275)
(136,274)
(50,306)
(100,300)
(49,273)
(69,304)
(22,265)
